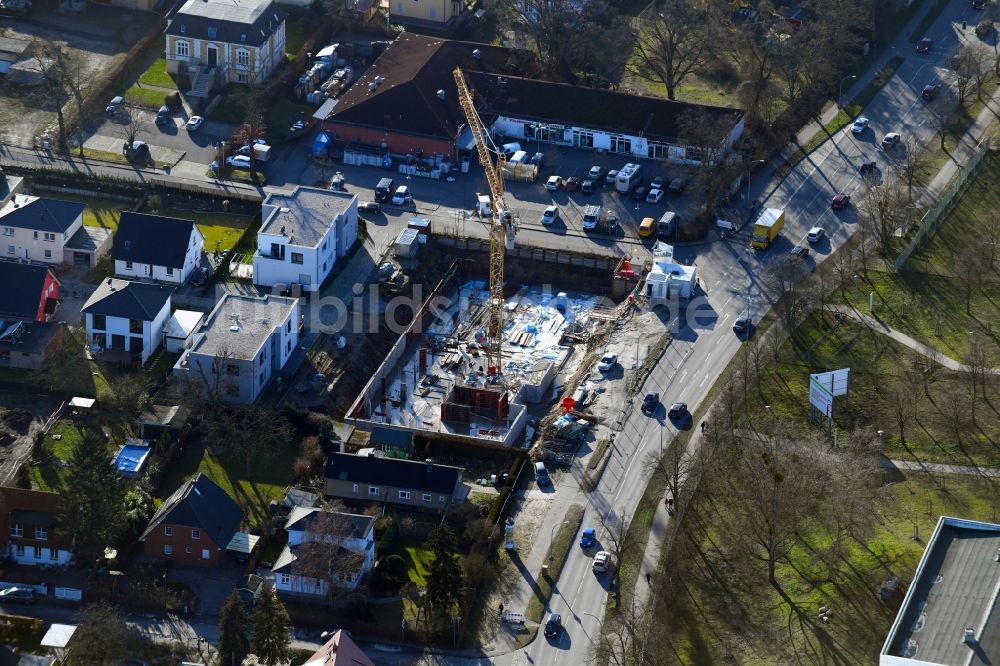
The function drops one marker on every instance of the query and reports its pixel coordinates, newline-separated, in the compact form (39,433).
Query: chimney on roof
(477,54)
(970,636)
(440,94)
(430,464)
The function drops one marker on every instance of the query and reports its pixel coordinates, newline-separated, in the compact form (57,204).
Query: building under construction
(434,381)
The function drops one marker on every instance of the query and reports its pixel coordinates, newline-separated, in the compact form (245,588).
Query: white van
(509,149)
(402,196)
(541,474)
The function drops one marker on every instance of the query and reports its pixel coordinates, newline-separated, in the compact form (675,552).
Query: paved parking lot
(212,586)
(198,146)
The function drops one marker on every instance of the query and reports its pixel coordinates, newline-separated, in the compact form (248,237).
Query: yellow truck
(767,227)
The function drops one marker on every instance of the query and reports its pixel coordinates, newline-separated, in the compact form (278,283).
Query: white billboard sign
(820,396)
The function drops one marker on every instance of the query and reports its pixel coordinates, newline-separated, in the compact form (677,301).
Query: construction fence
(937,213)
(564,257)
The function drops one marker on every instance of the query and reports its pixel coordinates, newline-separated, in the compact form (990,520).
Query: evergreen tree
(444,577)
(271,625)
(94,496)
(234,631)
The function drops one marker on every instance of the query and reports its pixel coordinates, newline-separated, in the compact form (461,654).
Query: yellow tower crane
(502,224)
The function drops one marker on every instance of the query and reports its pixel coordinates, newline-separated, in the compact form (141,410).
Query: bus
(628,177)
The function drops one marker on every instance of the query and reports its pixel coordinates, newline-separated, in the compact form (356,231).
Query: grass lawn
(156,75)
(150,98)
(418,560)
(736,617)
(270,477)
(298,25)
(110,156)
(59,444)
(217,227)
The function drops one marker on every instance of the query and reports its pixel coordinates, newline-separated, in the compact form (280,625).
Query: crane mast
(502,225)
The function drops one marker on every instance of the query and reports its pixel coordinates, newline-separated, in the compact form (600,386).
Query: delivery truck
(767,227)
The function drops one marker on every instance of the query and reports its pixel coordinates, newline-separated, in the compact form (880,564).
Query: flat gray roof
(955,587)
(241,336)
(303,215)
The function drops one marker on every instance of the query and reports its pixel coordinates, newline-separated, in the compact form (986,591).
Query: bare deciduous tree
(322,556)
(884,212)
(133,124)
(966,70)
(618,544)
(898,402)
(909,164)
(674,40)
(978,375)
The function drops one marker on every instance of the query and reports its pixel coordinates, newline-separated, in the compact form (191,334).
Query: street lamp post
(749,169)
(840,91)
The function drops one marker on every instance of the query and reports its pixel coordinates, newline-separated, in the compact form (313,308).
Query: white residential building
(125,320)
(352,535)
(302,234)
(49,231)
(244,341)
(153,247)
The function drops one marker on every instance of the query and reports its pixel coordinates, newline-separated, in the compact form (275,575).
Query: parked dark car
(925,45)
(17,595)
(370,207)
(677,186)
(639,193)
(650,403)
(572,184)
(163,115)
(931,91)
(677,411)
(800,252)
(867,167)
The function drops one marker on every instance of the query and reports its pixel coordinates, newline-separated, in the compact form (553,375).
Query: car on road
(550,216)
(194,123)
(890,140)
(677,411)
(840,201)
(572,184)
(639,193)
(18,595)
(607,362)
(867,167)
(657,183)
(595,173)
(931,91)
(925,45)
(538,159)
(163,115)
(816,234)
(588,537)
(799,252)
(650,403)
(677,186)
(370,207)
(553,625)
(238,162)
(859,126)
(602,562)
(742,324)
(654,196)
(610,178)
(553,183)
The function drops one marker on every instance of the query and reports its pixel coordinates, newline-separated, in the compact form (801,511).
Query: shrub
(389,542)
(394,567)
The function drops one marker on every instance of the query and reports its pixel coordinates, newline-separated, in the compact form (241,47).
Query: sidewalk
(904,339)
(940,468)
(28,158)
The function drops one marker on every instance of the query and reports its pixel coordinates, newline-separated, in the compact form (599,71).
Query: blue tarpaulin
(321,145)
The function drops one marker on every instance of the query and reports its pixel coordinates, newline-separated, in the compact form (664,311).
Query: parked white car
(239,162)
(550,216)
(607,362)
(654,196)
(194,123)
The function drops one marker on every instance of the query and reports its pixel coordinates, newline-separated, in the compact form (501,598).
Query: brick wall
(181,541)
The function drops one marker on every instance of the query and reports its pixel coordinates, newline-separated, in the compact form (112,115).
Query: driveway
(212,586)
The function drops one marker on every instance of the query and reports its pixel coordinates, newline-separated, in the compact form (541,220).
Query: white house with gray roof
(302,234)
(125,320)
(244,341)
(225,41)
(350,539)
(49,231)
